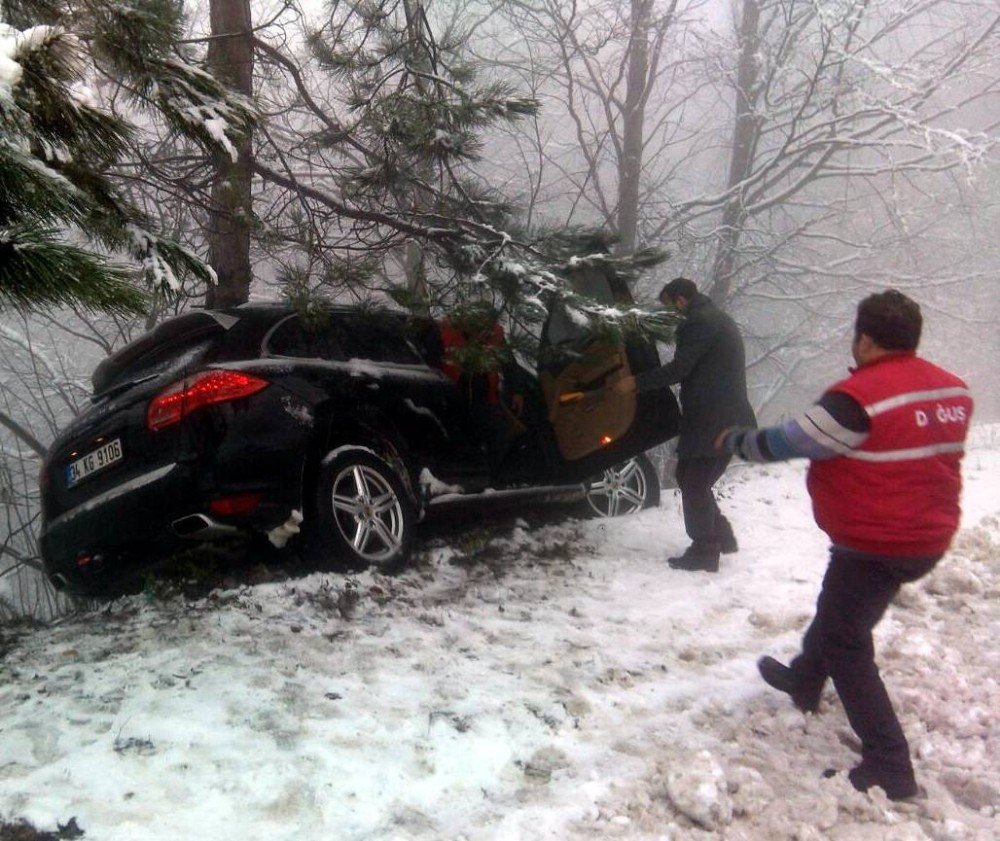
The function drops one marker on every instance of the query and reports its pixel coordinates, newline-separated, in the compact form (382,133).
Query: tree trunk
(416,269)
(742,154)
(230,57)
(630,163)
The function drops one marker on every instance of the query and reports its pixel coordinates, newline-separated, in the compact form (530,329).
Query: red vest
(898,494)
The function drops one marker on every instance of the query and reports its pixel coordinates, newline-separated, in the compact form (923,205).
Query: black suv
(257,418)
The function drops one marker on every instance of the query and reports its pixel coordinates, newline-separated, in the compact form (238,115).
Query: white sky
(599,695)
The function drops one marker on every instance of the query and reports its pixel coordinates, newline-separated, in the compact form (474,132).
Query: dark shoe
(697,558)
(782,678)
(726,538)
(897,785)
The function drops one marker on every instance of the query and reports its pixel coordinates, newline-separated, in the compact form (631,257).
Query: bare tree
(792,160)
(43,382)
(829,96)
(615,72)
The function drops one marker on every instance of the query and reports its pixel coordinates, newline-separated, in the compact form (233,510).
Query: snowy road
(560,683)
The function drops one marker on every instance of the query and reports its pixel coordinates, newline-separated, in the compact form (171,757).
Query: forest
(788,155)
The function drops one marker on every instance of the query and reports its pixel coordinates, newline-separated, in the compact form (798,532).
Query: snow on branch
(195,101)
(17,47)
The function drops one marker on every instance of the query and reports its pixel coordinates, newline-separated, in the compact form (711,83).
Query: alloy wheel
(368,513)
(620,490)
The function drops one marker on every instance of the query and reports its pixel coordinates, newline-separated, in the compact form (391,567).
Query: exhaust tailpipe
(201,527)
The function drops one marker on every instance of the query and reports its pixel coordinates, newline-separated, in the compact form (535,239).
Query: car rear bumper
(94,543)
(134,526)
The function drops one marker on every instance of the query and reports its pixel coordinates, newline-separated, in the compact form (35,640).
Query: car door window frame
(332,347)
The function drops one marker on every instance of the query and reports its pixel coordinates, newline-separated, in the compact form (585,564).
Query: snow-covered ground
(555,683)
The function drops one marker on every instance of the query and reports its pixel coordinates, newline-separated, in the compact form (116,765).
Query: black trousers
(857,589)
(703,520)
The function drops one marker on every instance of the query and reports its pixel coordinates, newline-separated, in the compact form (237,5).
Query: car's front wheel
(624,489)
(363,513)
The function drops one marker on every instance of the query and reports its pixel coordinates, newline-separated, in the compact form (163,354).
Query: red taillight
(175,403)
(227,506)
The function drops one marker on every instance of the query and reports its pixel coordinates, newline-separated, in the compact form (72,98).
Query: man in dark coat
(710,365)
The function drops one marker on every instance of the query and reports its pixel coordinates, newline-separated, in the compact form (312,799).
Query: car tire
(364,516)
(623,489)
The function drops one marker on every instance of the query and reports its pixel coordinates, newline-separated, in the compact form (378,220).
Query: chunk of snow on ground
(697,787)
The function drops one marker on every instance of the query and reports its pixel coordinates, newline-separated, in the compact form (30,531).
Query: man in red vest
(886,445)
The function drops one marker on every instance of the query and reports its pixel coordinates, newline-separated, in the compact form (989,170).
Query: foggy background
(790,156)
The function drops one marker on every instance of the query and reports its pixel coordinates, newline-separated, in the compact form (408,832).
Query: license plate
(77,471)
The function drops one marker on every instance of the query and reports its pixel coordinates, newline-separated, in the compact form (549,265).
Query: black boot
(804,696)
(724,534)
(698,557)
(897,785)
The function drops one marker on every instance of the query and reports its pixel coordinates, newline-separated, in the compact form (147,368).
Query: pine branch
(37,269)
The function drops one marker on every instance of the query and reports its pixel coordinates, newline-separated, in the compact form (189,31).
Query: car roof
(267,311)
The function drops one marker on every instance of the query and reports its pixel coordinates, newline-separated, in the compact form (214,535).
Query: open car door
(594,426)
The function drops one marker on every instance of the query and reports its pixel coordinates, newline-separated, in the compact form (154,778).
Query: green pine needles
(419,112)
(68,234)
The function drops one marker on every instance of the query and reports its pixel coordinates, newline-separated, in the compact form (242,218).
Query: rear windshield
(166,349)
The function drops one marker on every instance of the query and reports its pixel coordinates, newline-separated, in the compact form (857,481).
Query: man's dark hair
(890,319)
(679,287)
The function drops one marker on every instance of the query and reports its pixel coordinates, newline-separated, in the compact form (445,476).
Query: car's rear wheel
(363,514)
(624,489)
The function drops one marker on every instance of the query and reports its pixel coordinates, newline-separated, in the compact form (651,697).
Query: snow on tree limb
(57,146)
